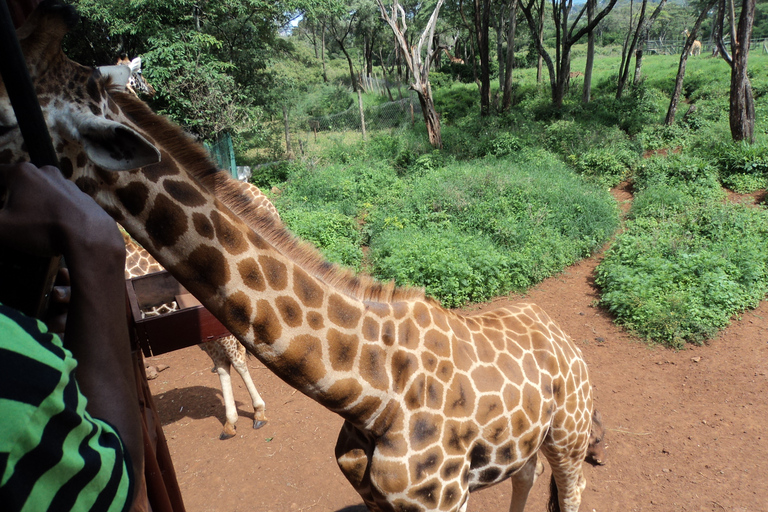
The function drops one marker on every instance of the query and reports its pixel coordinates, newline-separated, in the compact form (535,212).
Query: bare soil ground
(686,431)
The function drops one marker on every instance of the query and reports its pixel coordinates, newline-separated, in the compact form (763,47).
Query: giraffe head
(76,104)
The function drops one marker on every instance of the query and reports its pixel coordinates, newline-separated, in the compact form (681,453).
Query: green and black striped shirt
(53,454)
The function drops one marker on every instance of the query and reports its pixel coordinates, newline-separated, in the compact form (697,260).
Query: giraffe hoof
(223,436)
(259,423)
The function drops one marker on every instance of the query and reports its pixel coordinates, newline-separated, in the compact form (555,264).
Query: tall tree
(741,114)
(482,20)
(586,93)
(566,36)
(506,100)
(704,10)
(635,46)
(418,59)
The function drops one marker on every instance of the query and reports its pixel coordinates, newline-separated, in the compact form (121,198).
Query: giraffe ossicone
(436,403)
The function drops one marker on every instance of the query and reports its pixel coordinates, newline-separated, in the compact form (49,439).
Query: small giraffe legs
(567,484)
(259,417)
(229,401)
(523,481)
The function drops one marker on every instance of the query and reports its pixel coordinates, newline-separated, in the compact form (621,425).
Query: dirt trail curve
(687,431)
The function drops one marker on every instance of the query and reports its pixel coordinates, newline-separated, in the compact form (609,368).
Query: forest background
(470,148)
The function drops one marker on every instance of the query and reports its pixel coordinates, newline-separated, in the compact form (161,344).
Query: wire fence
(669,47)
(386,115)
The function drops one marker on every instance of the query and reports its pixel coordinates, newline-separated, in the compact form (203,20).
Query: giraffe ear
(115,147)
(120,75)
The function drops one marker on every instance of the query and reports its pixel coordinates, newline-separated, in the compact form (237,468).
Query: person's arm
(42,213)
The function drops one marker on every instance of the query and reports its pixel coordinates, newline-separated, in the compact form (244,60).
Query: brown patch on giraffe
(421,315)
(306,289)
(428,362)
(428,493)
(88,185)
(237,313)
(488,408)
(315,320)
(531,401)
(203,225)
(520,424)
(154,172)
(435,391)
(460,399)
(289,310)
(408,334)
(363,410)
(393,443)
(258,241)
(184,193)
(342,394)
(457,435)
(415,396)
(451,495)
(166,222)
(133,197)
(250,273)
(504,455)
(403,365)
(480,455)
(388,333)
(487,379)
(437,343)
(66,167)
(530,368)
(378,308)
(511,395)
(473,325)
(510,368)
(464,355)
(390,476)
(370,329)
(342,313)
(342,349)
(424,430)
(445,371)
(266,326)
(399,310)
(228,235)
(451,468)
(275,271)
(207,268)
(498,430)
(108,177)
(302,361)
(484,349)
(372,366)
(440,318)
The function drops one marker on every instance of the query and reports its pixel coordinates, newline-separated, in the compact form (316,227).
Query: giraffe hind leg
(230,408)
(523,481)
(567,483)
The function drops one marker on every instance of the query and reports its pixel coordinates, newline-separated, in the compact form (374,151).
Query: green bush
(681,279)
(336,235)
(607,167)
(743,167)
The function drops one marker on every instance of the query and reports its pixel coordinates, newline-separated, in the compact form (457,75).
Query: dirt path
(687,431)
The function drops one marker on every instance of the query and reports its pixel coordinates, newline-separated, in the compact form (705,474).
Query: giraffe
(695,47)
(454,60)
(136,80)
(224,352)
(436,403)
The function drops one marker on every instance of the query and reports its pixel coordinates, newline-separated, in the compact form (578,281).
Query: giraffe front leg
(259,407)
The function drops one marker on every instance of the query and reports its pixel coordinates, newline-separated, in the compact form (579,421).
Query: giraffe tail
(554,501)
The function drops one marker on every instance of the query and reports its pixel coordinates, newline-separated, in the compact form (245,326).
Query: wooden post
(362,114)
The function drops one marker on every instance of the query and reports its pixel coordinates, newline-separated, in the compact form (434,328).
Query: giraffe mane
(195,159)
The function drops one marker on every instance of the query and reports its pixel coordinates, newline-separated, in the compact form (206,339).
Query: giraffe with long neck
(436,403)
(225,352)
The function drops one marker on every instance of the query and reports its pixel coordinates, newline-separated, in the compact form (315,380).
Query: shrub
(336,235)
(679,280)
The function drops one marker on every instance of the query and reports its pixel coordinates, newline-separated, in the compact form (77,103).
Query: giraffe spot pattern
(308,292)
(342,313)
(203,225)
(250,273)
(370,329)
(230,238)
(237,313)
(206,268)
(154,172)
(424,430)
(166,222)
(290,310)
(342,349)
(315,320)
(404,365)
(371,366)
(184,193)
(133,197)
(428,494)
(342,394)
(408,334)
(275,271)
(302,361)
(266,325)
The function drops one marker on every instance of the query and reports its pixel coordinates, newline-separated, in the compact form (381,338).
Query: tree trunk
(670,119)
(286,124)
(638,66)
(506,101)
(586,94)
(540,38)
(351,66)
(742,106)
(482,23)
(322,55)
(430,116)
(500,47)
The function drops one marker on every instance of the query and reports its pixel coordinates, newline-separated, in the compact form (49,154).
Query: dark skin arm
(43,214)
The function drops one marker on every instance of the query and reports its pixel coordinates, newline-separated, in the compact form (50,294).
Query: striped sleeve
(53,455)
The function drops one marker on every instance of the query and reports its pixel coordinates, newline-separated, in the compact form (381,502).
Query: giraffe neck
(292,309)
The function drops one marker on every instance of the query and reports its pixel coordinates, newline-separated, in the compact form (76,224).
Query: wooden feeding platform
(190,324)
